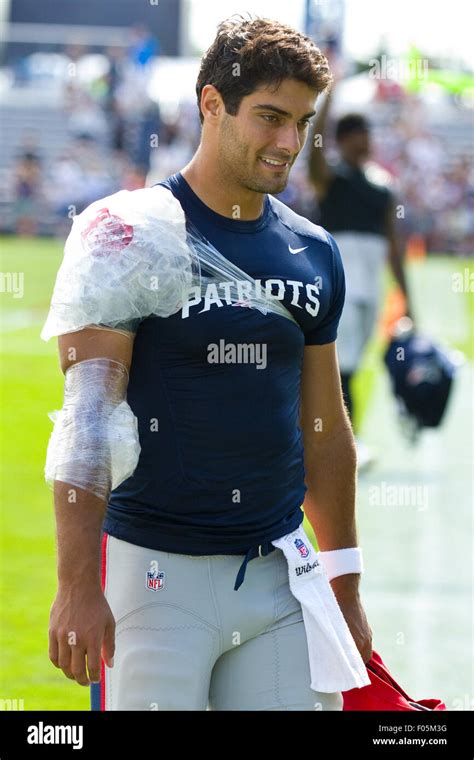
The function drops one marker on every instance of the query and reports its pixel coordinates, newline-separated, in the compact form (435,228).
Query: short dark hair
(351,122)
(267,52)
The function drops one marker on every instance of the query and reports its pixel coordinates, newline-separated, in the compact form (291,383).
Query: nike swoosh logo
(296,250)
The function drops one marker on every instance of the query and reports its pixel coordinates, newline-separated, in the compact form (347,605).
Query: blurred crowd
(117,137)
(435,187)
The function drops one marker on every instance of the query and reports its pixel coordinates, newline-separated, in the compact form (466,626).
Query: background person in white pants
(358,208)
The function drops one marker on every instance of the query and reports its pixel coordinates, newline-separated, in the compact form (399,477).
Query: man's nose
(289,140)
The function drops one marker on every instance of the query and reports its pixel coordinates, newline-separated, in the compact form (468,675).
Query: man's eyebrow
(275,109)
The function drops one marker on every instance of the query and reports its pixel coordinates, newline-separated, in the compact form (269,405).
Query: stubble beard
(233,169)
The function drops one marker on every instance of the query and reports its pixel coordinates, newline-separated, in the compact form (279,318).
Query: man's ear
(211,101)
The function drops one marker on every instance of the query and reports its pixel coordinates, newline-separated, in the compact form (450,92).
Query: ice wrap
(132,255)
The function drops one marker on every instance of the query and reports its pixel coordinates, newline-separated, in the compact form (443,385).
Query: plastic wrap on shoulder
(134,254)
(126,257)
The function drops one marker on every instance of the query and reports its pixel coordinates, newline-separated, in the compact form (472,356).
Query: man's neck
(353,164)
(219,194)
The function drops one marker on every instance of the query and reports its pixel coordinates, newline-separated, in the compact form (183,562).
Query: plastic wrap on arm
(94,444)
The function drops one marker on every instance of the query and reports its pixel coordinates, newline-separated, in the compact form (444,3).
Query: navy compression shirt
(221,467)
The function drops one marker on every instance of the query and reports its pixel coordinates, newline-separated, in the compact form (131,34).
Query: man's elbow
(338,438)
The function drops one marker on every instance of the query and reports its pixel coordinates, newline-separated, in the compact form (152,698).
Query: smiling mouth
(274,164)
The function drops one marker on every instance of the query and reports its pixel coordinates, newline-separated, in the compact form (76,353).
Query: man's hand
(81,628)
(345,588)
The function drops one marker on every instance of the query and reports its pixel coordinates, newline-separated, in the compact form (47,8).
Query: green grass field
(31,386)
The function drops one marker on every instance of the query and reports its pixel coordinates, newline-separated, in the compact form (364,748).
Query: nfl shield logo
(302,548)
(155,580)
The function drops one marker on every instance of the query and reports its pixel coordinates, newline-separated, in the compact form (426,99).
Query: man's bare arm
(330,466)
(396,256)
(329,451)
(81,624)
(319,172)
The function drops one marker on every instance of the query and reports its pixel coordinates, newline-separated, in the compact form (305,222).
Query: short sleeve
(326,331)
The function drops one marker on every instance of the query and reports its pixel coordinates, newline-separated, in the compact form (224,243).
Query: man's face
(270,126)
(355,146)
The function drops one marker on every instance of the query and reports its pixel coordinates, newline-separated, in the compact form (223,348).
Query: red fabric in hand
(384,693)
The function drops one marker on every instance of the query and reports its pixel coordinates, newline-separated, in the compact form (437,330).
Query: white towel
(335,662)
